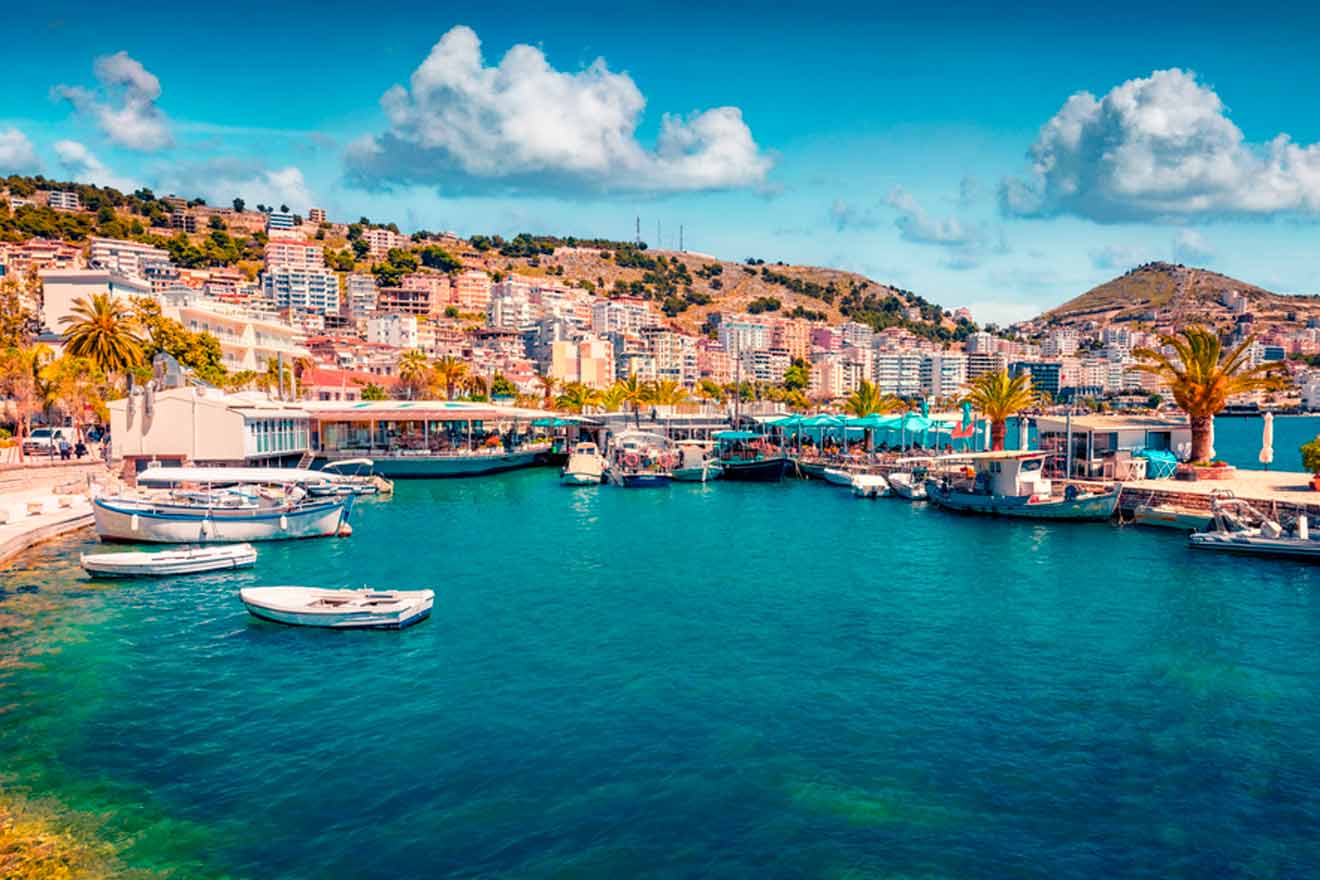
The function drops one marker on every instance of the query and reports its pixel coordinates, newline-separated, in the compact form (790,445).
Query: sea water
(727,680)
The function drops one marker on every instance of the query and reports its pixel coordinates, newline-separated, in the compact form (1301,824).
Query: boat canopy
(286,476)
(347,462)
(737,435)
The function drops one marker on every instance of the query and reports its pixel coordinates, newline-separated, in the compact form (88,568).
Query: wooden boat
(696,462)
(191,560)
(1230,532)
(908,485)
(1011,483)
(338,609)
(746,456)
(1170,517)
(585,466)
(869,486)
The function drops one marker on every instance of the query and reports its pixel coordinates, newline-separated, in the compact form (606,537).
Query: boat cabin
(1008,473)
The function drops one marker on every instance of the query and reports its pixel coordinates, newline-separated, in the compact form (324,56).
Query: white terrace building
(248,340)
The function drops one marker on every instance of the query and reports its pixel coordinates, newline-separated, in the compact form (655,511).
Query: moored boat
(747,456)
(338,609)
(836,476)
(352,475)
(641,460)
(585,466)
(696,462)
(192,560)
(1011,483)
(1231,532)
(908,485)
(1168,516)
(869,486)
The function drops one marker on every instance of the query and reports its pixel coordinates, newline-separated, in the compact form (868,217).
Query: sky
(1000,159)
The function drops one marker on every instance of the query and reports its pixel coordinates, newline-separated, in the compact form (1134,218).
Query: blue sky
(952,151)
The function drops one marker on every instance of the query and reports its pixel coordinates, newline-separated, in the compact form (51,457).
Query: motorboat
(641,460)
(585,466)
(748,456)
(908,485)
(1012,483)
(352,476)
(696,462)
(1168,516)
(1231,531)
(837,476)
(338,609)
(191,560)
(869,486)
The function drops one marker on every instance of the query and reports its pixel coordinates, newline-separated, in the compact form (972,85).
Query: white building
(899,372)
(742,335)
(281,221)
(313,290)
(624,314)
(399,331)
(248,340)
(61,287)
(675,355)
(64,201)
(360,295)
(288,253)
(382,241)
(128,258)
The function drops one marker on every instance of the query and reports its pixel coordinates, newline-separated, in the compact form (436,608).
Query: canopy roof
(737,435)
(287,476)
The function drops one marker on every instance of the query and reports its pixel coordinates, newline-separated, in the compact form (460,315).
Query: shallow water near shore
(727,680)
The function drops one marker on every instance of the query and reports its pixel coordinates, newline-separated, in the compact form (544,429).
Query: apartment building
(979,362)
(64,201)
(898,373)
(471,291)
(37,255)
(589,360)
(943,374)
(287,253)
(741,335)
(312,290)
(624,314)
(399,331)
(128,258)
(382,241)
(248,340)
(793,335)
(360,295)
(61,287)
(280,221)
(316,215)
(675,355)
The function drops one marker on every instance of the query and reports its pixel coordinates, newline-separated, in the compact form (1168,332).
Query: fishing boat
(338,609)
(191,560)
(585,466)
(748,456)
(696,462)
(1011,483)
(282,509)
(641,460)
(836,476)
(1230,531)
(869,486)
(908,485)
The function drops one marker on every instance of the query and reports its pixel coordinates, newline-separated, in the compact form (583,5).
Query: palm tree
(1203,378)
(709,389)
(76,386)
(449,373)
(415,371)
(103,331)
(475,385)
(548,385)
(867,400)
(997,397)
(576,397)
(633,390)
(613,398)
(665,392)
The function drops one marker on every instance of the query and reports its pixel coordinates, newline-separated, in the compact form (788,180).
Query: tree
(415,373)
(709,389)
(867,400)
(373,391)
(77,386)
(216,222)
(1203,378)
(284,209)
(500,386)
(576,397)
(475,386)
(998,397)
(103,331)
(633,391)
(436,257)
(548,384)
(20,371)
(613,398)
(18,322)
(665,392)
(199,352)
(798,376)
(239,205)
(449,374)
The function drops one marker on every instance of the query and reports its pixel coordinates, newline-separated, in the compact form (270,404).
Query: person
(65,449)
(80,450)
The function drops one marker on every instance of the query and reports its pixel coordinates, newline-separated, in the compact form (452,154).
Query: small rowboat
(170,562)
(339,609)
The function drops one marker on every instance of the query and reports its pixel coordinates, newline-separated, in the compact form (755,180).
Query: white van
(46,441)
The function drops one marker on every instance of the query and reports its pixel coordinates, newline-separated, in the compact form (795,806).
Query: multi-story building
(793,335)
(471,291)
(624,314)
(288,253)
(399,331)
(129,258)
(742,335)
(61,287)
(280,221)
(1045,375)
(860,335)
(360,295)
(312,290)
(764,365)
(185,221)
(229,285)
(37,255)
(316,215)
(64,201)
(248,341)
(979,342)
(714,362)
(898,373)
(985,362)
(589,360)
(826,338)
(382,241)
(943,374)
(1060,343)
(675,355)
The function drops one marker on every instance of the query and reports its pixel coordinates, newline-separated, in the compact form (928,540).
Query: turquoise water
(723,681)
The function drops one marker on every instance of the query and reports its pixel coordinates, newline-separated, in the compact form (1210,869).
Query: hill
(1158,292)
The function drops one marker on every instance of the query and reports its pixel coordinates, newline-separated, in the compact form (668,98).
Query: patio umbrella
(986,444)
(1267,441)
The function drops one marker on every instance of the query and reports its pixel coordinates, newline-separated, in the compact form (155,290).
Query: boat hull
(810,470)
(117,521)
(414,610)
(168,563)
(906,487)
(765,470)
(698,474)
(580,479)
(1093,508)
(836,477)
(645,481)
(1244,545)
(445,466)
(1171,518)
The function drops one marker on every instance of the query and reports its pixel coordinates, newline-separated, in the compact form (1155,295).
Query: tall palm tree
(103,331)
(415,372)
(867,400)
(1202,378)
(449,373)
(576,397)
(997,397)
(548,385)
(613,398)
(633,390)
(665,392)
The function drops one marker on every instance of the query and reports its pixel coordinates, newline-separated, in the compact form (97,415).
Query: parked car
(46,441)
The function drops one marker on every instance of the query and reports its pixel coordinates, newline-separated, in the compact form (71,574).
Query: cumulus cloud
(1159,148)
(1119,256)
(522,125)
(1189,246)
(83,166)
(221,180)
(17,155)
(124,106)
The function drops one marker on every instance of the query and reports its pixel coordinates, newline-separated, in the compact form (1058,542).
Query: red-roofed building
(327,383)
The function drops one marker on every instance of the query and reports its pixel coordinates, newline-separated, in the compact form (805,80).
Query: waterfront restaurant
(1105,447)
(437,438)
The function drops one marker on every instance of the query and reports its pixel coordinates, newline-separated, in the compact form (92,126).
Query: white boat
(907,485)
(1011,483)
(1230,532)
(1170,517)
(697,462)
(338,609)
(837,476)
(170,562)
(585,466)
(869,486)
(143,521)
(352,475)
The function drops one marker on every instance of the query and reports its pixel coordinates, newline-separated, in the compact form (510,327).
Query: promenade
(44,500)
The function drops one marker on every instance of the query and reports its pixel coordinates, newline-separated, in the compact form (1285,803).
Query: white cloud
(17,155)
(1159,148)
(84,167)
(916,226)
(849,216)
(524,126)
(1119,256)
(1189,246)
(124,107)
(221,180)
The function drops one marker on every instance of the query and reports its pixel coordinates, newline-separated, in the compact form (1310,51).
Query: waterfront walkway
(40,501)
